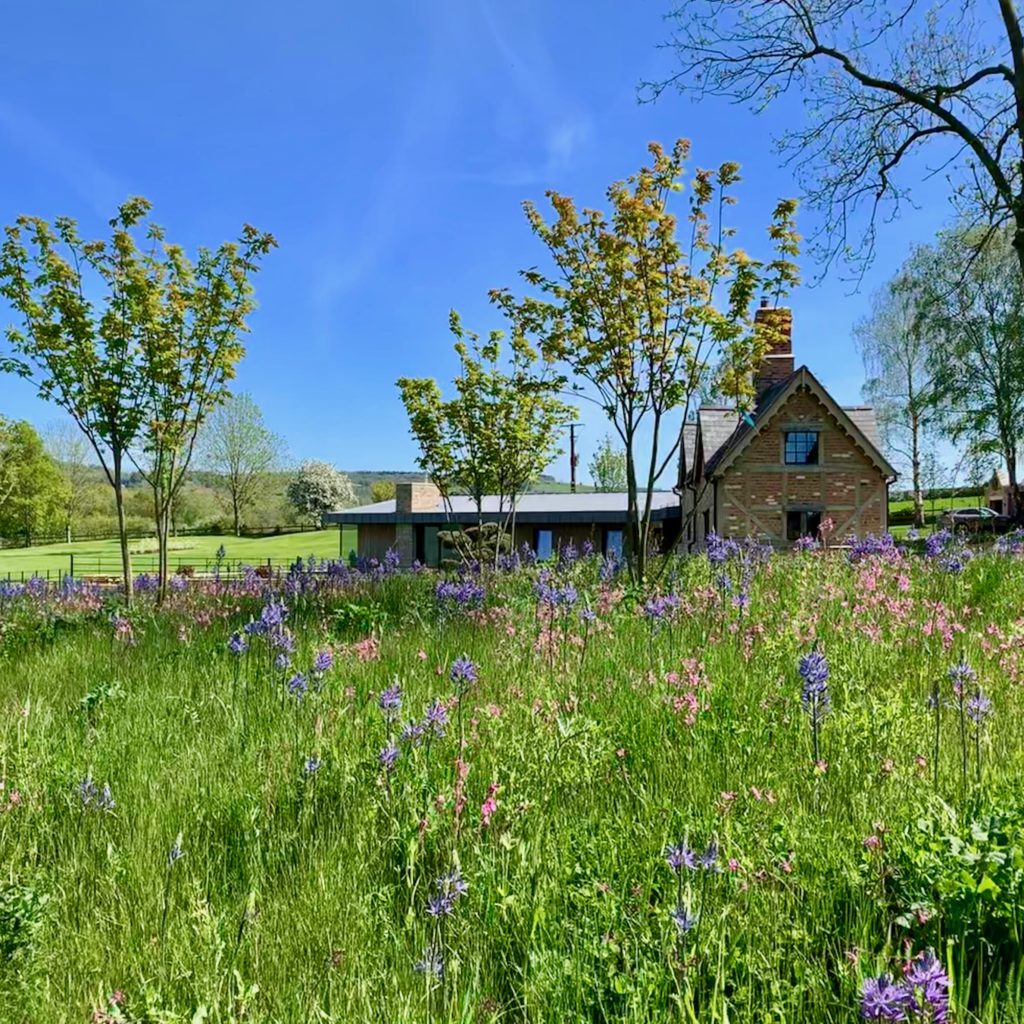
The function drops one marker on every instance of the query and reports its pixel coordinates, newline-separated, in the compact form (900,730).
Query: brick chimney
(778,362)
(419,496)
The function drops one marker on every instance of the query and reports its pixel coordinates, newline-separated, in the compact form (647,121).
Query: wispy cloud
(395,185)
(555,127)
(51,151)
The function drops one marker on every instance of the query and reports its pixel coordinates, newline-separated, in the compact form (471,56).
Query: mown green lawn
(103,556)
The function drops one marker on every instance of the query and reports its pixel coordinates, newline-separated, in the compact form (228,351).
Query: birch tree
(896,347)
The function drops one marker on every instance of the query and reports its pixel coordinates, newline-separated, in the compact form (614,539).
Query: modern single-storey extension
(410,522)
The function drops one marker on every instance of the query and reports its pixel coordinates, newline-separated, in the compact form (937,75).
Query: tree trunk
(237,514)
(122,530)
(635,553)
(1015,489)
(161,517)
(915,469)
(162,523)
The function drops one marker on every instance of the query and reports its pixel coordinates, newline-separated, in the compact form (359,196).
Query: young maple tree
(645,325)
(498,432)
(140,368)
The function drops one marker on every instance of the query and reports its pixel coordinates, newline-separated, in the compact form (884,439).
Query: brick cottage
(793,461)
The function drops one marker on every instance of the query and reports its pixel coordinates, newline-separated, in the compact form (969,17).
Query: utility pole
(573,457)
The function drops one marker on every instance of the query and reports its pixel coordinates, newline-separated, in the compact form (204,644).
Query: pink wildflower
(489,806)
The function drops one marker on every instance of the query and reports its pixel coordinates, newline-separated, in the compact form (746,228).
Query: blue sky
(388,147)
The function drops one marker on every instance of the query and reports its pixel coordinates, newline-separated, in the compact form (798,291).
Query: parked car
(975,520)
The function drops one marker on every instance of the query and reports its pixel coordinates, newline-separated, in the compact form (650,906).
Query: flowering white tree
(319,487)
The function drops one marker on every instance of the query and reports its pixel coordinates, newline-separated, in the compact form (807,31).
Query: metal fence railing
(135,535)
(88,567)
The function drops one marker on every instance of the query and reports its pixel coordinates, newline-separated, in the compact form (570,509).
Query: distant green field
(103,556)
(940,504)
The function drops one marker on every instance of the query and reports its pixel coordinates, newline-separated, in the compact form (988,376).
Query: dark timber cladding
(411,520)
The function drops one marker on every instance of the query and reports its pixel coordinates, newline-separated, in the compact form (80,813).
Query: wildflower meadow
(762,787)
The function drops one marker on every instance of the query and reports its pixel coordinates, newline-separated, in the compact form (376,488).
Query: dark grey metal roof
(592,507)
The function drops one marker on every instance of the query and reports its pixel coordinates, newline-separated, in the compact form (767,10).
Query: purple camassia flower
(87,790)
(661,606)
(815,697)
(460,594)
(463,671)
(955,560)
(979,707)
(283,641)
(719,549)
(1011,543)
(708,860)
(680,856)
(440,905)
(587,615)
(682,919)
(272,615)
(412,733)
(450,887)
(806,543)
(452,883)
(587,549)
(929,986)
(568,554)
(312,765)
(282,661)
(436,718)
(179,583)
(237,644)
(961,676)
(388,756)
(874,546)
(431,963)
(884,999)
(390,700)
(298,686)
(323,661)
(937,543)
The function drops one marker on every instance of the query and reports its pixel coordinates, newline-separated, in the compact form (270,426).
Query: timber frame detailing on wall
(748,488)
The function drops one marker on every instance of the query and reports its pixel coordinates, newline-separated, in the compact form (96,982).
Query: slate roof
(592,507)
(864,417)
(689,446)
(739,430)
(718,443)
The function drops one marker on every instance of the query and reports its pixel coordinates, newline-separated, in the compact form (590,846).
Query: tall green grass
(302,897)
